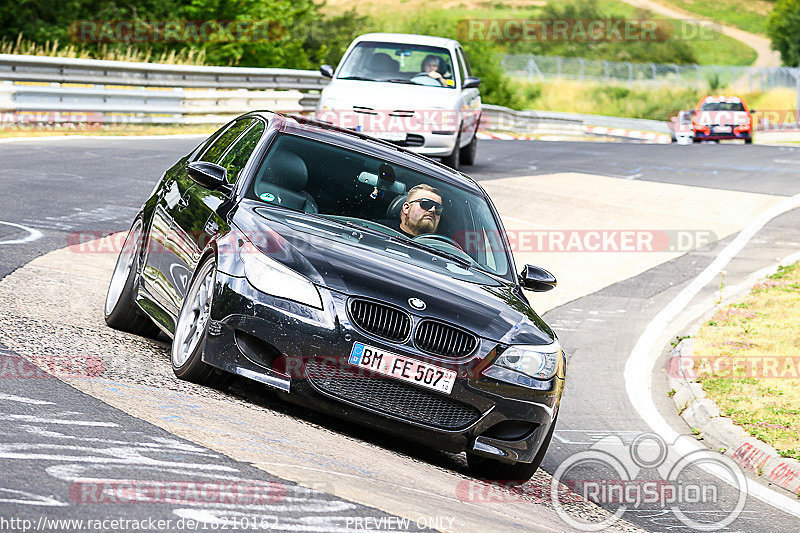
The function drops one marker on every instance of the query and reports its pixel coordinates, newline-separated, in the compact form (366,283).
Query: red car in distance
(722,117)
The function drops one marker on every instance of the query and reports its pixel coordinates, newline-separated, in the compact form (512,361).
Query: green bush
(783,29)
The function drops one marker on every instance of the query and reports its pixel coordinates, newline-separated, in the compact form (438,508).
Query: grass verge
(748,15)
(747,357)
(712,48)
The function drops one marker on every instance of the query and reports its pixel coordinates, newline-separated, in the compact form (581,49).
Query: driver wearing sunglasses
(421,211)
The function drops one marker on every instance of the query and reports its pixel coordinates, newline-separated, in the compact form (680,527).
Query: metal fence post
(558,66)
(605,69)
(583,68)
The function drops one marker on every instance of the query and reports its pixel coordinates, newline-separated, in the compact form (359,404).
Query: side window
(463,57)
(214,152)
(236,158)
(461,70)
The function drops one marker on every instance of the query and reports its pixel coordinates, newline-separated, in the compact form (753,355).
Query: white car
(415,91)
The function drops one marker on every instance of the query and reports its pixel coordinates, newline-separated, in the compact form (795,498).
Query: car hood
(386,96)
(360,263)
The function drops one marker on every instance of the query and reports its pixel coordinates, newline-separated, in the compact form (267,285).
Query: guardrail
(127,92)
(503,119)
(52,89)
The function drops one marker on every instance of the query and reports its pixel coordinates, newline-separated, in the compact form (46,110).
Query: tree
(783,29)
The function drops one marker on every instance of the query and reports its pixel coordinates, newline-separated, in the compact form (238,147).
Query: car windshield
(399,63)
(722,106)
(354,189)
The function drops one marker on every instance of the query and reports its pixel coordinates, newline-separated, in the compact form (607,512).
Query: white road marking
(50,138)
(33,234)
(639,367)
(38,420)
(21,399)
(28,498)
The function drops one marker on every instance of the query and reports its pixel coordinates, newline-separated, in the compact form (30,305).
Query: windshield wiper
(400,80)
(360,78)
(436,251)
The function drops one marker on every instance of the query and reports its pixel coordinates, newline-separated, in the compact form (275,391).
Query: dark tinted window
(347,186)
(722,106)
(214,152)
(236,158)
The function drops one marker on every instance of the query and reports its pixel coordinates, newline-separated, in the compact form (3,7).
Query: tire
(121,311)
(453,160)
(748,140)
(191,331)
(485,468)
(469,151)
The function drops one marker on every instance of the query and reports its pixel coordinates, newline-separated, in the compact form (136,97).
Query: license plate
(402,368)
(722,129)
(389,135)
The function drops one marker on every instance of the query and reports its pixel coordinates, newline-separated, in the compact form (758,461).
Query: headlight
(274,278)
(538,362)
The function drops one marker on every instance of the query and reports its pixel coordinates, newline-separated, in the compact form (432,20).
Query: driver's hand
(435,75)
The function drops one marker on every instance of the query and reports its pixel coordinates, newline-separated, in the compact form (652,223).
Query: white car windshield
(399,63)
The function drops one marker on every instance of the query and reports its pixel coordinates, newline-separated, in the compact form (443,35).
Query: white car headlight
(274,278)
(538,362)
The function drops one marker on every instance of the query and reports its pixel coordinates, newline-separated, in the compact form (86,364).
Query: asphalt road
(56,188)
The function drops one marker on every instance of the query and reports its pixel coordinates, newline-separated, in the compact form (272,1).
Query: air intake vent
(442,339)
(392,397)
(381,320)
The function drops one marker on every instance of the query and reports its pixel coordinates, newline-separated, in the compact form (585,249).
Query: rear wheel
(454,159)
(121,311)
(191,331)
(485,468)
(748,140)
(469,151)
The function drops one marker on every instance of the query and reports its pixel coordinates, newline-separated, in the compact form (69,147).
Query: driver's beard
(426,225)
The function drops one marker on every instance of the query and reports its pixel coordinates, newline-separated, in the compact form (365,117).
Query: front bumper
(303,353)
(711,135)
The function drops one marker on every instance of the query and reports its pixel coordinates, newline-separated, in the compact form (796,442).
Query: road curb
(704,417)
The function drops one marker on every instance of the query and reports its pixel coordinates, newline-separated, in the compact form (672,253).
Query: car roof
(728,99)
(322,131)
(408,38)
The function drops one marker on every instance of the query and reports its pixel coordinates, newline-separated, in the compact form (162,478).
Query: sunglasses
(426,204)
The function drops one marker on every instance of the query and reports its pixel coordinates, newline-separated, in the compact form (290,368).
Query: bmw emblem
(416,303)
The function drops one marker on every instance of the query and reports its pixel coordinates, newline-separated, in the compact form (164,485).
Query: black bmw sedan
(351,276)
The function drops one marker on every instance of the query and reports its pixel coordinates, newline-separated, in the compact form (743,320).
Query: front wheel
(469,151)
(454,159)
(192,329)
(121,311)
(485,468)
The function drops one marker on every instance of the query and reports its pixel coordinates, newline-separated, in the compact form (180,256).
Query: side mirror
(537,279)
(753,111)
(471,82)
(326,70)
(209,175)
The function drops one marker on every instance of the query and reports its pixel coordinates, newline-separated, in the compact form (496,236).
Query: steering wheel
(440,238)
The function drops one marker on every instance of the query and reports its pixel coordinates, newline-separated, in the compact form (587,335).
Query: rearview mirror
(209,175)
(326,70)
(537,279)
(472,82)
